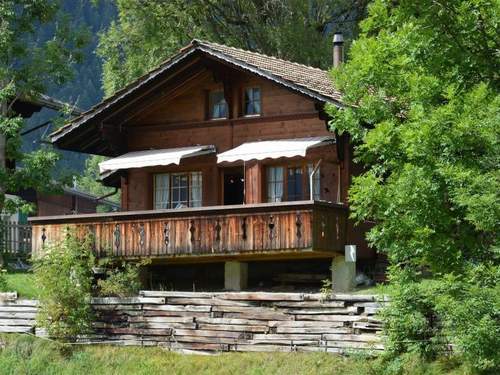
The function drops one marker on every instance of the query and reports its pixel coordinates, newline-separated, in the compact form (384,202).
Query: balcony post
(344,270)
(235,275)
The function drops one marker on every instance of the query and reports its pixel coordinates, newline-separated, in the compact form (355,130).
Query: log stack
(241,321)
(17,315)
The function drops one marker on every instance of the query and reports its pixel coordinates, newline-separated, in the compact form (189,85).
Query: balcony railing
(302,228)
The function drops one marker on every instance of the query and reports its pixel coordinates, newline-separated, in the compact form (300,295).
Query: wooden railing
(304,226)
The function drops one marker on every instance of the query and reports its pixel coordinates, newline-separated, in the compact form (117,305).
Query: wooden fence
(15,239)
(221,322)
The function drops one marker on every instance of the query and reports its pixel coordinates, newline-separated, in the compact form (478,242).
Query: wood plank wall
(313,227)
(179,120)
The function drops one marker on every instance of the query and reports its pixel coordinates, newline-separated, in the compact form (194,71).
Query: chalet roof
(26,106)
(309,81)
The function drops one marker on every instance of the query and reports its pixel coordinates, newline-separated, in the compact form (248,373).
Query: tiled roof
(310,78)
(310,81)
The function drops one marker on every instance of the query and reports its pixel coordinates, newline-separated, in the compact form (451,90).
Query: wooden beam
(211,123)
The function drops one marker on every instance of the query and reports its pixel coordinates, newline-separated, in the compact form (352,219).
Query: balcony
(253,231)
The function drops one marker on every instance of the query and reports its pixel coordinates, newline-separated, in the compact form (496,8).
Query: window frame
(190,185)
(244,102)
(210,105)
(306,167)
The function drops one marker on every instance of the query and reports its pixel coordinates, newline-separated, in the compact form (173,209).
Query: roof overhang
(274,149)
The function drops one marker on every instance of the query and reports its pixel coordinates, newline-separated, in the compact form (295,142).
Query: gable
(190,104)
(99,130)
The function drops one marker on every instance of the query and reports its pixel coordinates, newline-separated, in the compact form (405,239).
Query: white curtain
(162,191)
(275,184)
(195,191)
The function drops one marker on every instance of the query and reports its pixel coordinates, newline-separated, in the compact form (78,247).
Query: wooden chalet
(230,177)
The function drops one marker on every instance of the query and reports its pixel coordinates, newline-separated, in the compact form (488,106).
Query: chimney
(338,49)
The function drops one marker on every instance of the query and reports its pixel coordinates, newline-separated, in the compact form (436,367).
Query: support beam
(344,270)
(235,275)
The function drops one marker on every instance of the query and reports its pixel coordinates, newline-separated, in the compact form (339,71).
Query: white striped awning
(151,158)
(279,148)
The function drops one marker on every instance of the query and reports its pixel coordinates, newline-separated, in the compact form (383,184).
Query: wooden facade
(170,108)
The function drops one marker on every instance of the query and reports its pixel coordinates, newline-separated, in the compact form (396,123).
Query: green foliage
(122,280)
(3,281)
(422,84)
(88,181)
(30,355)
(425,316)
(146,33)
(29,64)
(64,278)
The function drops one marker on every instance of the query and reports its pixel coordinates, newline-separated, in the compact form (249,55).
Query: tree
(28,65)
(421,86)
(88,181)
(147,33)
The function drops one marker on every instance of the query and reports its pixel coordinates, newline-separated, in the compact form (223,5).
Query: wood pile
(240,321)
(17,316)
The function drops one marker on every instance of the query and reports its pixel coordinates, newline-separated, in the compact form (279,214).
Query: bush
(121,281)
(64,276)
(3,281)
(425,316)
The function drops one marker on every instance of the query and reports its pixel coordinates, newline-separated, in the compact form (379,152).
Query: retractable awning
(280,148)
(151,158)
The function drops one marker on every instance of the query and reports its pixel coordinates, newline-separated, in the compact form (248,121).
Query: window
(162,191)
(294,185)
(274,184)
(176,190)
(180,190)
(252,102)
(195,190)
(316,182)
(217,105)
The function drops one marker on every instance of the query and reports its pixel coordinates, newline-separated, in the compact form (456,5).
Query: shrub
(3,281)
(121,281)
(64,277)
(424,316)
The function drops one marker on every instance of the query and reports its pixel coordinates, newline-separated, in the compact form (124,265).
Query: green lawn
(28,355)
(22,283)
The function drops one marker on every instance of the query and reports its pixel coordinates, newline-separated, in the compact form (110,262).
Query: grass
(22,283)
(22,354)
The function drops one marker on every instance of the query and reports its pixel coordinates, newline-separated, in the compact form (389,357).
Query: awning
(280,148)
(150,158)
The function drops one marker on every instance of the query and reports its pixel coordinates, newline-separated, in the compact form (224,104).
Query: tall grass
(23,354)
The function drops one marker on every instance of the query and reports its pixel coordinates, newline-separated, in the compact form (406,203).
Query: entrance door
(233,187)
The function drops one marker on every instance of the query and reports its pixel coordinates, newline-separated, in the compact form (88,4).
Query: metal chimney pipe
(338,49)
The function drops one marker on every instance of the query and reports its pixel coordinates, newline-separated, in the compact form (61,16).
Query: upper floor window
(291,183)
(177,190)
(251,105)
(217,105)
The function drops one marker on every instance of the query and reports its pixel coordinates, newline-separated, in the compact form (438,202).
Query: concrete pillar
(344,270)
(235,275)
